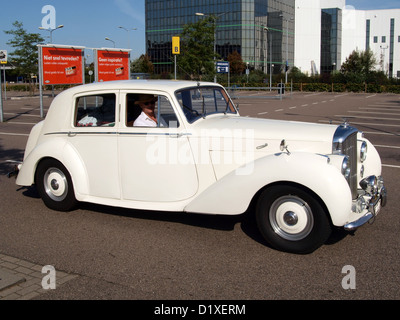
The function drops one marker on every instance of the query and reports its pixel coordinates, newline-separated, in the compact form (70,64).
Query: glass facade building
(262,31)
(331,39)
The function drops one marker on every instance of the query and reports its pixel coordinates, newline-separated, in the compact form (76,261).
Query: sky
(88,22)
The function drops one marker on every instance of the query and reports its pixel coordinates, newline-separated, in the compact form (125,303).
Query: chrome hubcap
(291,218)
(55,184)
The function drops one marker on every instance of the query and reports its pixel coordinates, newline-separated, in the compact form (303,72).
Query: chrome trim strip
(72,133)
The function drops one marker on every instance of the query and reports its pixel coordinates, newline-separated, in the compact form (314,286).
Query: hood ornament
(284,147)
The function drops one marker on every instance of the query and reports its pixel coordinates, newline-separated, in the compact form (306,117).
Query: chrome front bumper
(375,188)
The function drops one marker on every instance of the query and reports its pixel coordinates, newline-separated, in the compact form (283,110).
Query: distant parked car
(202,157)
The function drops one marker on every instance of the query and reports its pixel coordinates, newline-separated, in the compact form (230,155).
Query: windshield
(199,102)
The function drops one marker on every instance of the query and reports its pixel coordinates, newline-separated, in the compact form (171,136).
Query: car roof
(166,85)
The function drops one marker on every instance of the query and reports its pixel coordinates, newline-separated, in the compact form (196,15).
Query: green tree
(197,48)
(142,65)
(25,55)
(358,66)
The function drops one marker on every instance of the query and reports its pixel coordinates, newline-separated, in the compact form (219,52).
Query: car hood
(298,136)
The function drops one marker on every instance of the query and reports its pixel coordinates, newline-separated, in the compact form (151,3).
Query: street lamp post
(270,57)
(215,36)
(108,39)
(129,38)
(287,45)
(51,31)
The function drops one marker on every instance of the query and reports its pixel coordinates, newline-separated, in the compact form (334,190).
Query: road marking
(342,95)
(27,123)
(390,166)
(313,94)
(362,123)
(370,96)
(372,112)
(381,133)
(292,107)
(375,118)
(279,110)
(261,113)
(388,105)
(14,134)
(21,114)
(390,147)
(304,105)
(381,109)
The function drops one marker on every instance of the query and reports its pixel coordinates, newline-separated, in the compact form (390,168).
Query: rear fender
(59,149)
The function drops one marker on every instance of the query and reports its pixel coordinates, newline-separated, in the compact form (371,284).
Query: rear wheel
(291,219)
(54,185)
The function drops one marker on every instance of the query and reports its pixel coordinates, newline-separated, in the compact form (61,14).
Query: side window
(95,110)
(147,110)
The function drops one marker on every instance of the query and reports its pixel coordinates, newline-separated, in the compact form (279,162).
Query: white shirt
(145,121)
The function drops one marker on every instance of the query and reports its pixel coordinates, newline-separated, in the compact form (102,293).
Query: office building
(242,25)
(314,35)
(328,31)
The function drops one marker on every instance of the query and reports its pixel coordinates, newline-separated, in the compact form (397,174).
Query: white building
(327,31)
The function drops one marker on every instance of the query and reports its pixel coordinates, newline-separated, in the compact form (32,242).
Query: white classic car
(183,147)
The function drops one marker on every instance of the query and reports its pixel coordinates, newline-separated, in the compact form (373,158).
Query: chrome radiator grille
(349,148)
(345,142)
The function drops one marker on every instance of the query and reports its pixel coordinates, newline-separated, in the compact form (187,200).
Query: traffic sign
(3,56)
(176,47)
(223,67)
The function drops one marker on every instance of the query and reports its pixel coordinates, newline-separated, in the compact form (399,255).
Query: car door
(94,137)
(156,163)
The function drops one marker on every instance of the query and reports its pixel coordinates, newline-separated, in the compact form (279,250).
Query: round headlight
(363,151)
(346,167)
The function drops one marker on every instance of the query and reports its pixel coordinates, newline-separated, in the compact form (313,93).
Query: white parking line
(387,105)
(362,123)
(390,166)
(380,133)
(313,94)
(342,95)
(382,109)
(373,112)
(390,147)
(21,115)
(14,134)
(25,123)
(358,117)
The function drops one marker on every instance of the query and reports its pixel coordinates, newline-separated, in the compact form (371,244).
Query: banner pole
(1,102)
(41,80)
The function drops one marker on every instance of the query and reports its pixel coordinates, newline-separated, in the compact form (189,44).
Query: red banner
(112,65)
(62,65)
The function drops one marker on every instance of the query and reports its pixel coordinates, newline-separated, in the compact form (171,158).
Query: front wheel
(54,185)
(291,219)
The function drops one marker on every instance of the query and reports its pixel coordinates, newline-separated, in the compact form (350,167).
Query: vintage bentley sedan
(183,147)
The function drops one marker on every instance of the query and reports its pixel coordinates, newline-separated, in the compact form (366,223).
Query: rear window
(95,110)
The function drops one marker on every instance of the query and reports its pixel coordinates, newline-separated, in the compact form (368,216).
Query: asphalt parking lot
(112,253)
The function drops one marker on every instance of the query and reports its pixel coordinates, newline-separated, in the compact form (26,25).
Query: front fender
(233,193)
(59,149)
